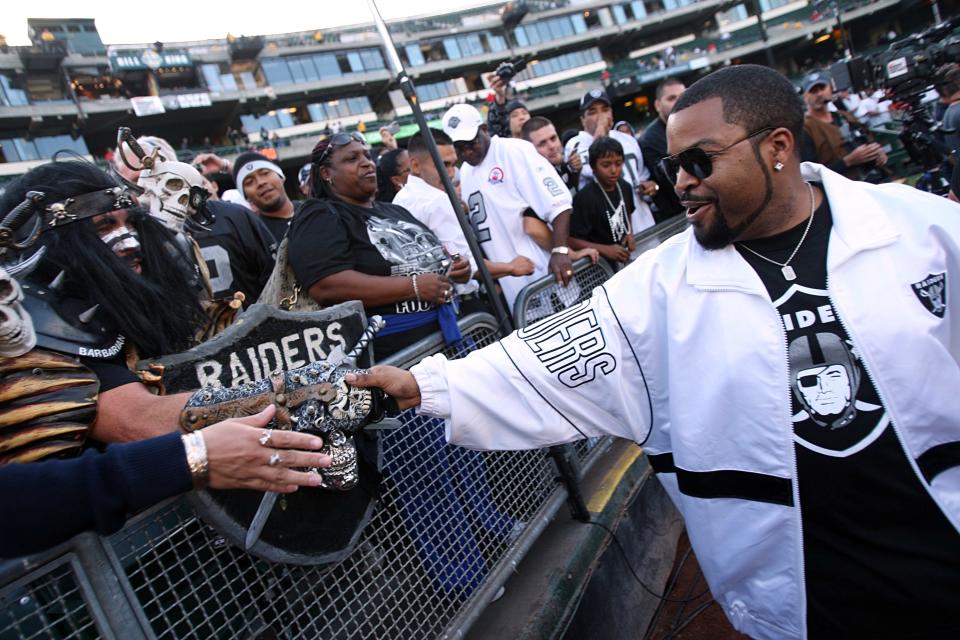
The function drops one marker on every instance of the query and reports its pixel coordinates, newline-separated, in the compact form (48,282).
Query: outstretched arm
(559,380)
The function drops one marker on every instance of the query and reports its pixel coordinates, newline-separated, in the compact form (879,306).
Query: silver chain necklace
(785,268)
(618,218)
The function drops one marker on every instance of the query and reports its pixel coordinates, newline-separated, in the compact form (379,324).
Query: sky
(129,22)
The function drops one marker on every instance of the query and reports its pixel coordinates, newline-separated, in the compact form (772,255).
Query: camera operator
(830,136)
(505,119)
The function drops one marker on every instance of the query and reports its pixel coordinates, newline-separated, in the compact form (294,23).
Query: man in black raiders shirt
(880,557)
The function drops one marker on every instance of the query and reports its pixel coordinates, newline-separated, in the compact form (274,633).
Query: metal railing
(657,234)
(544,297)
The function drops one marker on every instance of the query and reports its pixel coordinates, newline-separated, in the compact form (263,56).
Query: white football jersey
(512,178)
(634,170)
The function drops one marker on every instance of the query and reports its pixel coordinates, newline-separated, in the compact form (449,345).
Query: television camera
(906,71)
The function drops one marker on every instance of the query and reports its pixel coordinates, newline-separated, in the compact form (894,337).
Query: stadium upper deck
(69,90)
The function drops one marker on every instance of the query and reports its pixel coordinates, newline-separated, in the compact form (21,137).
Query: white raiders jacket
(684,353)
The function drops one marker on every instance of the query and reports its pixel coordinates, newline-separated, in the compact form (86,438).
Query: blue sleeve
(45,503)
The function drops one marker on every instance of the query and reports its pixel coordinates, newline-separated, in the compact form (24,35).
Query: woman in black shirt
(344,245)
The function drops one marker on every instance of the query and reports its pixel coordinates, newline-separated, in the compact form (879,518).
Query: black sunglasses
(696,161)
(463,145)
(339,140)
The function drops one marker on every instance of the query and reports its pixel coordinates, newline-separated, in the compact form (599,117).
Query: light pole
(763,34)
(504,320)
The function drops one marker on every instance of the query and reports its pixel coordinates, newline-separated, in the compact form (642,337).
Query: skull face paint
(16,328)
(115,229)
(166,191)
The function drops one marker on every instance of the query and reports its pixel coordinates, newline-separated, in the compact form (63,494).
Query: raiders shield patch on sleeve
(932,293)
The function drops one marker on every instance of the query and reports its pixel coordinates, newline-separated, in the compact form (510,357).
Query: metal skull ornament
(174,192)
(17,336)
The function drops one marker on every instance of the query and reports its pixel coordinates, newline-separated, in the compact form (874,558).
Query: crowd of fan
(204,239)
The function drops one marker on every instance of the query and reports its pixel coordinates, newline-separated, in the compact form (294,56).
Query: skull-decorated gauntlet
(312,399)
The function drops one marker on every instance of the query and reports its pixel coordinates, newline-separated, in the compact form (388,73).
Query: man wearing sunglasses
(789,364)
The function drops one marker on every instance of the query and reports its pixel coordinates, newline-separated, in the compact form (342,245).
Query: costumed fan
(175,194)
(98,280)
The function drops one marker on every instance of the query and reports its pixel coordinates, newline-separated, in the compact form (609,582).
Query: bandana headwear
(247,163)
(57,214)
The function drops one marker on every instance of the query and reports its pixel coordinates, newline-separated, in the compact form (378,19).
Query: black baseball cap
(816,78)
(592,96)
(513,105)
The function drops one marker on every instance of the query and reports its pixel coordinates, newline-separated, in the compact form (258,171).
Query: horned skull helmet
(174,192)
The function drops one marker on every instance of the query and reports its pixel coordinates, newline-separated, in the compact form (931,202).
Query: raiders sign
(313,525)
(932,293)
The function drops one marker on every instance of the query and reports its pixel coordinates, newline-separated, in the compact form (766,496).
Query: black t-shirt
(277,227)
(594,219)
(571,178)
(239,251)
(329,236)
(653,143)
(880,558)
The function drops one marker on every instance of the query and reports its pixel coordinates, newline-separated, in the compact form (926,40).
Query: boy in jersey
(602,209)
(596,117)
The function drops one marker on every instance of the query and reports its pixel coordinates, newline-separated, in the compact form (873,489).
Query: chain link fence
(445,518)
(48,602)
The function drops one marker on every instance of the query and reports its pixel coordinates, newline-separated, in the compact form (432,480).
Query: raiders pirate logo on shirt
(932,293)
(836,409)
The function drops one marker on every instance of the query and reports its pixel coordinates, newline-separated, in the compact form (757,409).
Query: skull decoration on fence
(174,192)
(16,328)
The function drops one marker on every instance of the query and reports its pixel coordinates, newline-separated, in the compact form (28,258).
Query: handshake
(314,399)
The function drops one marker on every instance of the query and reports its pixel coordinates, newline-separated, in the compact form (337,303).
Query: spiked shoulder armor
(69,325)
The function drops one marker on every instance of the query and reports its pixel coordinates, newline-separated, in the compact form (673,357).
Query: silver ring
(265,437)
(569,272)
(275,459)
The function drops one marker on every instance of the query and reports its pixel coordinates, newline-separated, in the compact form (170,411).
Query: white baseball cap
(461,122)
